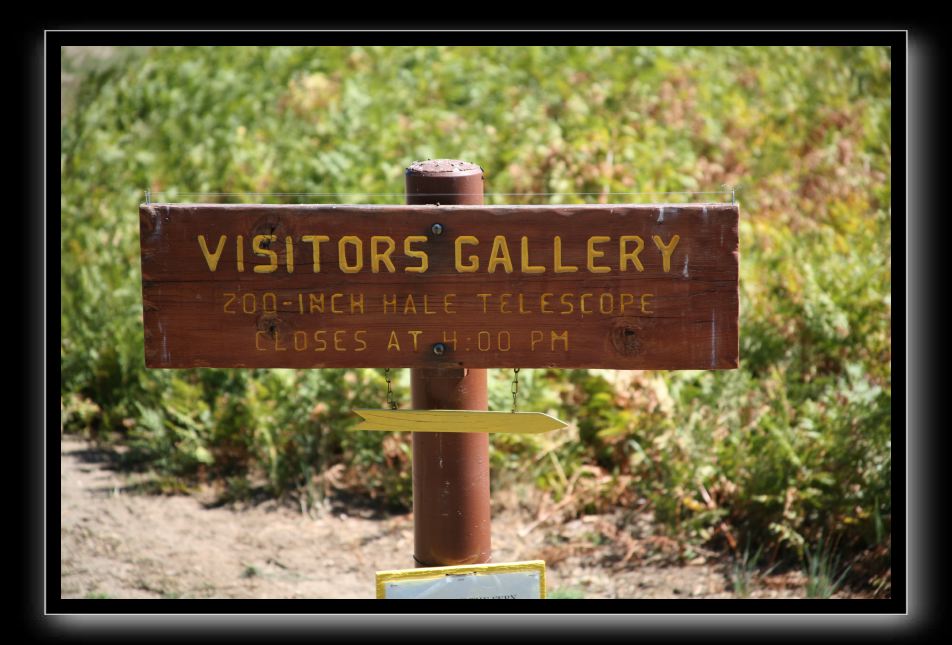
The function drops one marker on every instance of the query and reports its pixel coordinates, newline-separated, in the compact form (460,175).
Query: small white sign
(504,581)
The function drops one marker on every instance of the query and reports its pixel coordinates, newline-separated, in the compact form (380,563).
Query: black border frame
(736,611)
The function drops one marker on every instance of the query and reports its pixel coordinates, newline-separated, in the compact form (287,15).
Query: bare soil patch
(120,542)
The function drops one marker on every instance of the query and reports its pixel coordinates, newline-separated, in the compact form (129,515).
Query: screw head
(439,349)
(437,229)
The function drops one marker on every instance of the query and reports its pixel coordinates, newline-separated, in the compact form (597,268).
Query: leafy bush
(793,445)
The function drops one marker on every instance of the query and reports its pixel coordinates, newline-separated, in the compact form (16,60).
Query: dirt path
(117,543)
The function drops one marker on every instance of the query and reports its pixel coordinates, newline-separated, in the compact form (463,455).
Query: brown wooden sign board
(311,286)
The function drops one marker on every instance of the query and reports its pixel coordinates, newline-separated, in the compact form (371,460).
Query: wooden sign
(503,581)
(457,421)
(609,286)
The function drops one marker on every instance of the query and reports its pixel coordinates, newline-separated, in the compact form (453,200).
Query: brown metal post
(451,513)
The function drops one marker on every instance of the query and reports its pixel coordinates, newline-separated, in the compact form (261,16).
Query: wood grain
(235,316)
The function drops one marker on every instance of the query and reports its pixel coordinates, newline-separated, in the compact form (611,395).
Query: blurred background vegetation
(791,452)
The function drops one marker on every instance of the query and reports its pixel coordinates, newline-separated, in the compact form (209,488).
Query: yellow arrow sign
(457,421)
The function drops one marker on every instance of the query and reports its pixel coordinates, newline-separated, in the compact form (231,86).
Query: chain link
(514,388)
(390,402)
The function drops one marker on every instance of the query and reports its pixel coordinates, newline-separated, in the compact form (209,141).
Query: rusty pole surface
(451,513)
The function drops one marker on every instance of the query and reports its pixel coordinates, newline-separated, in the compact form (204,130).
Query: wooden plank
(310,286)
(457,421)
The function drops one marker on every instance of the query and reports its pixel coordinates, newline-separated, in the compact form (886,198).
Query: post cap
(443,167)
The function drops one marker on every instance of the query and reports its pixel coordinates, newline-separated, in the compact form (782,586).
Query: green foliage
(824,574)
(97,595)
(794,444)
(745,569)
(565,593)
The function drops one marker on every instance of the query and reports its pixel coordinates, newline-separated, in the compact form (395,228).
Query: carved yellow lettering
(503,341)
(500,255)
(393,343)
(342,244)
(315,241)
(611,303)
(409,305)
(390,302)
(415,334)
(228,302)
(212,258)
(273,308)
(338,341)
(522,309)
(300,341)
(535,337)
(426,305)
(569,304)
(376,257)
(473,265)
(544,303)
(334,309)
(258,344)
(592,254)
(564,337)
(624,256)
(315,303)
(321,345)
(559,267)
(240,249)
(666,251)
(526,267)
(581,303)
(272,265)
(450,340)
(485,298)
(413,253)
(289,253)
(359,337)
(357,305)
(626,299)
(644,303)
(448,302)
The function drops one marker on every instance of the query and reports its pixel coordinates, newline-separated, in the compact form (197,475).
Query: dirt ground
(121,543)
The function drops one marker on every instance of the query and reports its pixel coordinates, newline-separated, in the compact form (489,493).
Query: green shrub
(793,444)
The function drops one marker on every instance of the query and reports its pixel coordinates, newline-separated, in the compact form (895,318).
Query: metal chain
(514,388)
(390,402)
